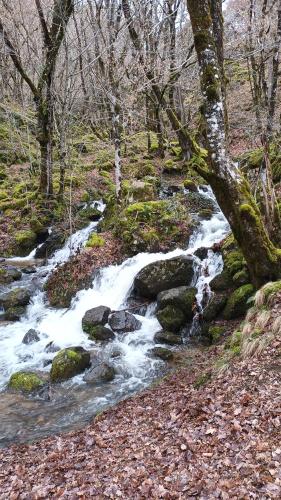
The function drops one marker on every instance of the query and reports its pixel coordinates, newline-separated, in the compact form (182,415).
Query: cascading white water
(110,288)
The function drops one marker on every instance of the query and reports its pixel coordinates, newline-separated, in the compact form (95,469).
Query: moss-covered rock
(181,297)
(167,338)
(196,202)
(214,307)
(138,190)
(25,240)
(222,281)
(171,318)
(68,363)
(161,353)
(100,333)
(153,226)
(163,275)
(144,169)
(98,316)
(216,332)
(8,274)
(25,382)
(14,313)
(190,185)
(237,303)
(89,214)
(172,167)
(14,298)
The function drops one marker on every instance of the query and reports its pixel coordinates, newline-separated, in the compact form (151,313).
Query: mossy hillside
(153,226)
(253,159)
(25,382)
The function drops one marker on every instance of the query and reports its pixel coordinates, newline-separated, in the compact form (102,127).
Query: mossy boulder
(8,274)
(171,318)
(214,307)
(153,226)
(14,298)
(190,185)
(98,316)
(172,167)
(181,297)
(163,275)
(167,338)
(25,240)
(100,333)
(197,202)
(161,353)
(237,303)
(14,313)
(25,382)
(68,363)
(138,190)
(144,169)
(89,214)
(222,281)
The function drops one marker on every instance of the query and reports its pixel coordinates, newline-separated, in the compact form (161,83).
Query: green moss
(95,241)
(25,238)
(271,289)
(35,225)
(202,380)
(25,381)
(216,332)
(68,363)
(144,169)
(137,191)
(4,195)
(234,261)
(172,167)
(85,197)
(190,185)
(237,304)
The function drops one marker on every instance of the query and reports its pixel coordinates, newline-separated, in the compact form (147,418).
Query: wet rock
(101,333)
(47,362)
(237,303)
(14,298)
(54,241)
(197,202)
(214,307)
(51,347)
(201,253)
(122,322)
(222,281)
(99,374)
(29,270)
(164,275)
(25,382)
(8,274)
(31,336)
(171,318)
(116,354)
(161,353)
(181,297)
(68,363)
(94,317)
(167,338)
(14,313)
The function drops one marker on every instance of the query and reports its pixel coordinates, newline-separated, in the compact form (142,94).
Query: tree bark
(230,187)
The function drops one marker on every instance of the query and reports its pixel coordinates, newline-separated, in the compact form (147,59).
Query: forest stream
(71,404)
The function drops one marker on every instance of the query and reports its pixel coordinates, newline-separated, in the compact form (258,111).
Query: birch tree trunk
(230,187)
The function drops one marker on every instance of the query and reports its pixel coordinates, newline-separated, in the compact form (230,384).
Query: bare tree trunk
(230,187)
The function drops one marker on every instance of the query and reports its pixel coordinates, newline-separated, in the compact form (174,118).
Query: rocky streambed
(60,367)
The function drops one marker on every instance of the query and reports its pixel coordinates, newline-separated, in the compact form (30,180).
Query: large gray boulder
(99,374)
(164,275)
(167,338)
(171,318)
(181,297)
(94,317)
(122,322)
(14,298)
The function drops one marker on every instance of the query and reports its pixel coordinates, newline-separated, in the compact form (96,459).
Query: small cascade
(128,353)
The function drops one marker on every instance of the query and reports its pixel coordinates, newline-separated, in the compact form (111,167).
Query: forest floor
(212,434)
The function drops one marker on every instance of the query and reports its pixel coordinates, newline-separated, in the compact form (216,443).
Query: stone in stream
(171,318)
(167,338)
(101,333)
(8,274)
(123,322)
(54,241)
(14,298)
(31,337)
(14,313)
(94,317)
(164,275)
(161,353)
(29,270)
(99,374)
(26,382)
(214,307)
(68,363)
(201,253)
(181,298)
(52,347)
